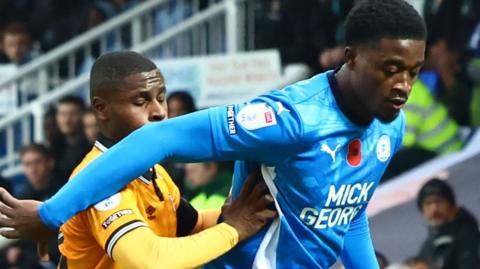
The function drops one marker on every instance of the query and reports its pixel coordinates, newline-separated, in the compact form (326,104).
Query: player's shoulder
(162,174)
(303,91)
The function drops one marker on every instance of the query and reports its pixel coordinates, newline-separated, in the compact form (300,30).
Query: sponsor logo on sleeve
(109,203)
(256,116)
(231,120)
(383,148)
(115,216)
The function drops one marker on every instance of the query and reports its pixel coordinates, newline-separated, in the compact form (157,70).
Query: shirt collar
(103,143)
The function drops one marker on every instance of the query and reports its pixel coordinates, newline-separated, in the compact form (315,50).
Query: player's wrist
(45,217)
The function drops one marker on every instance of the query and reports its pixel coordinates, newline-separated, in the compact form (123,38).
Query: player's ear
(100,108)
(349,56)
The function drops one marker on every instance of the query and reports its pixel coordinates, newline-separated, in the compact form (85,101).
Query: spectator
(417,263)
(180,103)
(38,167)
(20,255)
(51,131)
(450,24)
(90,127)
(429,132)
(16,43)
(453,236)
(329,32)
(474,74)
(428,123)
(73,145)
(451,20)
(453,86)
(209,183)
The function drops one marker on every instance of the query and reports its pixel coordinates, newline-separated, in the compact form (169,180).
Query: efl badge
(354,154)
(109,203)
(256,116)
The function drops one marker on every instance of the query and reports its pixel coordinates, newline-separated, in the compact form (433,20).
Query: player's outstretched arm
(114,169)
(259,126)
(242,218)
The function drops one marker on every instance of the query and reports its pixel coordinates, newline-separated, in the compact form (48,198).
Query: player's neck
(348,101)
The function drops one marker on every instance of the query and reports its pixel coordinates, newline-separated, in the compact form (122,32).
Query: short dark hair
(371,20)
(17,27)
(36,147)
(435,187)
(74,100)
(110,69)
(186,99)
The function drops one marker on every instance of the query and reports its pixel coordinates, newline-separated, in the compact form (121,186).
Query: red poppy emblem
(354,154)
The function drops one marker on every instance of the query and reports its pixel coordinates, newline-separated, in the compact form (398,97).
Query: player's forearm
(151,251)
(207,219)
(127,160)
(358,252)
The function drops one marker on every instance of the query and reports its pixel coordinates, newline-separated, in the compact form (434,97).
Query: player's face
(140,101)
(385,73)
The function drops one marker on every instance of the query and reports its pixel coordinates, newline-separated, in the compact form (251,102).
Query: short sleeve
(114,217)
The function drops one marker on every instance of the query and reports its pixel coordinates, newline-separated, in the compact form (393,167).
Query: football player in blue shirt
(322,145)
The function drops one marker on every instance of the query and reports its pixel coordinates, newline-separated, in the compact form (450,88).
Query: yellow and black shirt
(87,240)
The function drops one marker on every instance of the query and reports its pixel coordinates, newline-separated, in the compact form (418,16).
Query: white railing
(210,31)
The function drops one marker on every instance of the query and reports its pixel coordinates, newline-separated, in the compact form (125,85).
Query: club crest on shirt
(109,203)
(256,116)
(383,148)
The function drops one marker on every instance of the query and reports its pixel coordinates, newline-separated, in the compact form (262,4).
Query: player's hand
(22,219)
(250,211)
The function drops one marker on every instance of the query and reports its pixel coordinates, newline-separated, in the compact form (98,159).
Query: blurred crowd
(441,113)
(29,28)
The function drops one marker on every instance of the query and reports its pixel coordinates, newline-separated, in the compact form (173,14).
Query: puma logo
(327,149)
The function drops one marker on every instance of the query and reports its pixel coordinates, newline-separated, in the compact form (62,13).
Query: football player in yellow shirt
(147,224)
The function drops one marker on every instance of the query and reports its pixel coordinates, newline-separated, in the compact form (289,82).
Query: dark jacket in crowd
(454,245)
(67,157)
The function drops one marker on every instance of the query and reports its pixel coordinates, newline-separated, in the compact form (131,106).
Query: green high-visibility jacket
(428,124)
